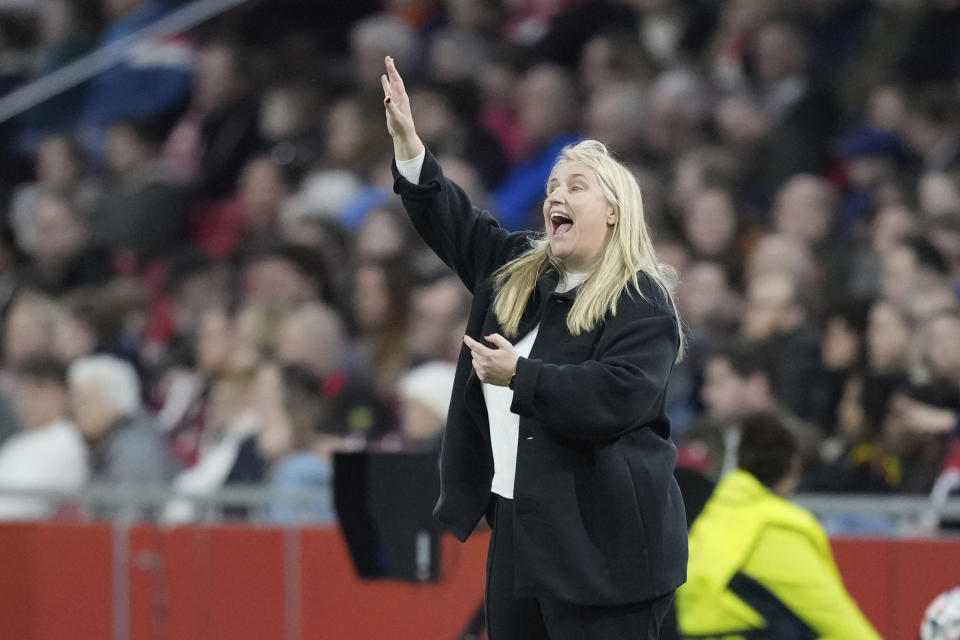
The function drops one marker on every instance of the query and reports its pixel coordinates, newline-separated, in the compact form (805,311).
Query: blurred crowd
(206,279)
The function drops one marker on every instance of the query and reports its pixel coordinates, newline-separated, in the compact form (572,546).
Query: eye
(576,187)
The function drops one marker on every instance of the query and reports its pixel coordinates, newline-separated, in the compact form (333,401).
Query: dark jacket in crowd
(599,517)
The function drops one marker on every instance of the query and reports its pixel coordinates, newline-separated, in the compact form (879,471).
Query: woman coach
(557,428)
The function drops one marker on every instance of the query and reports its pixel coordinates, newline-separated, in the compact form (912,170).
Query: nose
(556,196)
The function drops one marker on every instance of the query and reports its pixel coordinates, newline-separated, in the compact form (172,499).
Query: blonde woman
(556,428)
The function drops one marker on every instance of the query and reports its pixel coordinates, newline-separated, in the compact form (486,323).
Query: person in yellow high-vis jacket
(761,567)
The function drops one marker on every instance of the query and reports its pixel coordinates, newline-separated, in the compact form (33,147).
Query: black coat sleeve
(467,239)
(622,389)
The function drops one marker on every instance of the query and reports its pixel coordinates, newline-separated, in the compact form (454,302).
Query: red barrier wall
(229,583)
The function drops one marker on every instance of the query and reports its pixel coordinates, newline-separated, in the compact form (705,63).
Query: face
(802,210)
(710,223)
(25,333)
(436,324)
(215,81)
(888,338)
(771,308)
(56,165)
(214,341)
(262,191)
(723,391)
(578,219)
(59,233)
(702,293)
(381,236)
(899,276)
(92,415)
(371,298)
(39,402)
(891,225)
(841,345)
(943,346)
(274,280)
(124,152)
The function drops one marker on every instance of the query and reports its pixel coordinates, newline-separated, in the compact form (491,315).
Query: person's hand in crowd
(924,418)
(493,366)
(396,103)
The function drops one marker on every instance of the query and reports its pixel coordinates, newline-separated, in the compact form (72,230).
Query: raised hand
(493,366)
(396,103)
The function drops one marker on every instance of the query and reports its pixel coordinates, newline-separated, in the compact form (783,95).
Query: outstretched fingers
(386,86)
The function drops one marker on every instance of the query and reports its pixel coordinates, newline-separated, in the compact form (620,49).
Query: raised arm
(467,239)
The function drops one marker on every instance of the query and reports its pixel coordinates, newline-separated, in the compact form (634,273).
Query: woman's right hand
(406,142)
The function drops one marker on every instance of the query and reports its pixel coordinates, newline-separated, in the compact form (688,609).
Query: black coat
(599,519)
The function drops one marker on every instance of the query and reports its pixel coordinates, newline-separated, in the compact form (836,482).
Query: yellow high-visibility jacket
(761,567)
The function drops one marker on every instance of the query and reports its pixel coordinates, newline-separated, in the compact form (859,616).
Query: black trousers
(525,618)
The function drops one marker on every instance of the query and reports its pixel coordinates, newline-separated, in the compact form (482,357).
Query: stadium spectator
(152,83)
(59,170)
(776,319)
(313,337)
(737,384)
(49,453)
(438,318)
(424,398)
(60,257)
(126,442)
(547,113)
(758,562)
(142,214)
(213,140)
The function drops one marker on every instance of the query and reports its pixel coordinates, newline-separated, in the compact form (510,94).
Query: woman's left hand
(493,366)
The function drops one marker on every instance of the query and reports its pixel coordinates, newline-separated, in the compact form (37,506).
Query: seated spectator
(916,434)
(861,462)
(63,38)
(287,126)
(297,441)
(60,257)
(250,215)
(143,211)
(548,115)
(151,83)
(49,453)
(932,130)
(759,564)
(889,338)
(438,319)
(424,400)
(737,384)
(218,134)
(913,271)
(58,169)
(285,275)
(447,115)
(381,311)
(313,337)
(232,420)
(776,319)
(29,327)
(127,444)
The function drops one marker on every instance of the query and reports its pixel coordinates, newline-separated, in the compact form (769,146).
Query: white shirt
(54,457)
(504,425)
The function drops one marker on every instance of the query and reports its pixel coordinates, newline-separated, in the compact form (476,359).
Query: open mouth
(562,223)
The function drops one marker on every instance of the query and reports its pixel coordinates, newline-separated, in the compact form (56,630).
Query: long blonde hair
(628,251)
